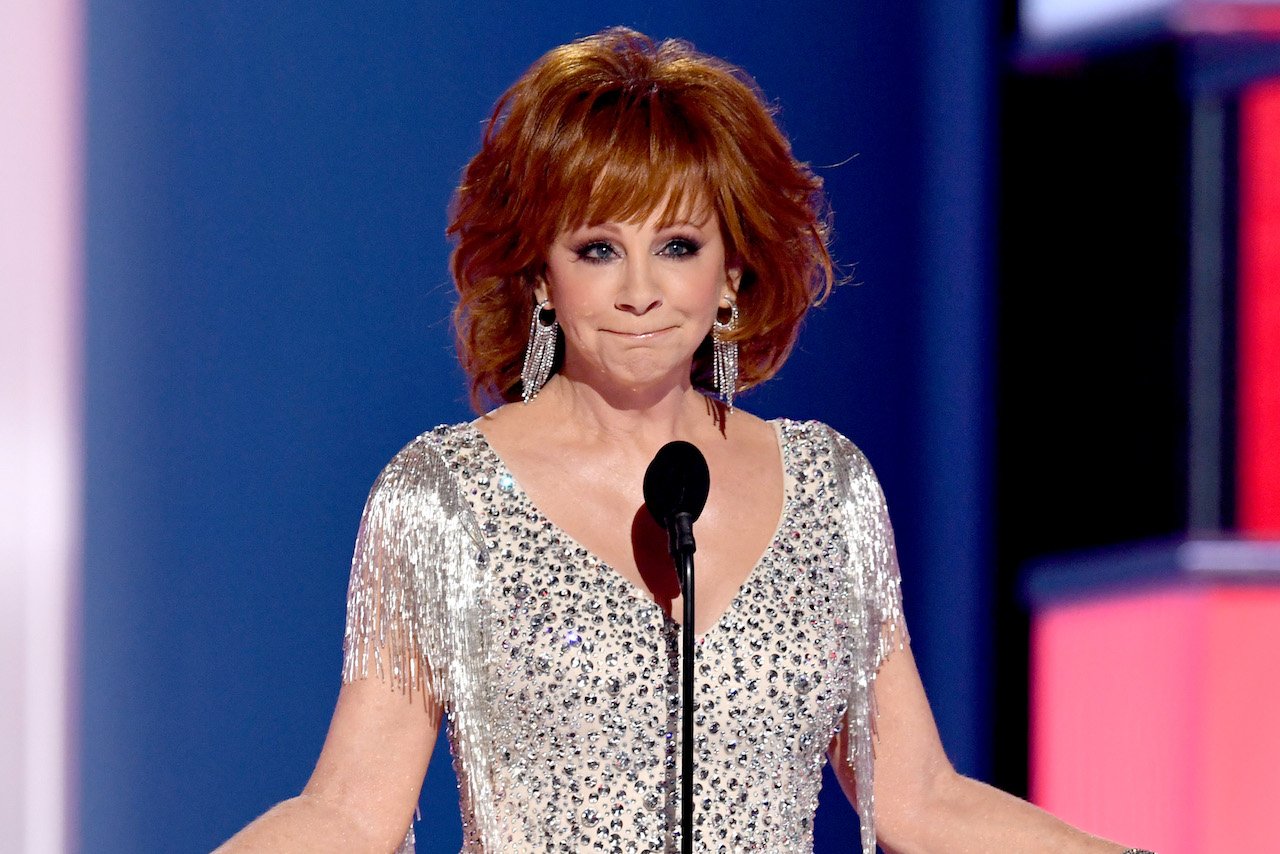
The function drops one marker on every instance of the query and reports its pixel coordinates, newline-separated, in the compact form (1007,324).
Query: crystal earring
(724,357)
(540,352)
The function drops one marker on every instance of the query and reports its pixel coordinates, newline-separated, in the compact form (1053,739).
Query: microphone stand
(676,485)
(682,549)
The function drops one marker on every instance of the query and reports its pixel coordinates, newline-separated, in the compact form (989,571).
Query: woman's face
(636,300)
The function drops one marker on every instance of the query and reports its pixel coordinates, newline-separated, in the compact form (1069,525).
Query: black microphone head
(677,481)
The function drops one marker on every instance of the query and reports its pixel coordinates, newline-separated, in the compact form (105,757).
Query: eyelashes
(681,247)
(602,251)
(596,252)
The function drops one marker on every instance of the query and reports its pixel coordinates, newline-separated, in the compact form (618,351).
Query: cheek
(569,287)
(578,302)
(701,293)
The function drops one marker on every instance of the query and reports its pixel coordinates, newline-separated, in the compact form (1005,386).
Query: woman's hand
(365,786)
(923,805)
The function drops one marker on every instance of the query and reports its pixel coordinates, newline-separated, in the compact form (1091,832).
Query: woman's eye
(596,251)
(680,247)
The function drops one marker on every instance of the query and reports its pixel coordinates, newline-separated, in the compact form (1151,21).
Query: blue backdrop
(267,323)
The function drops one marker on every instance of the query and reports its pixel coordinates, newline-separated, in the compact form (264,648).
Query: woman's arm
(365,786)
(924,807)
(417,538)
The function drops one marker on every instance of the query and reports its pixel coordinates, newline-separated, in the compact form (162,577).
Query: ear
(541,292)
(733,276)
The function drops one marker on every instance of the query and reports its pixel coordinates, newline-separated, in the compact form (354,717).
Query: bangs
(630,158)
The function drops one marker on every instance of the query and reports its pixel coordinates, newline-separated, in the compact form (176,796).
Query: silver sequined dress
(561,678)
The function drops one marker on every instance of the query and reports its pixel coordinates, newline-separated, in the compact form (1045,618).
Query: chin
(641,380)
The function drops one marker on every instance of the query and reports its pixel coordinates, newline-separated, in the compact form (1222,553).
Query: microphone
(675,491)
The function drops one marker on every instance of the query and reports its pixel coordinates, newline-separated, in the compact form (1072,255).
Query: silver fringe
(414,598)
(539,353)
(877,590)
(724,357)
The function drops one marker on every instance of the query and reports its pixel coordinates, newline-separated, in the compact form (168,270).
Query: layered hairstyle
(608,128)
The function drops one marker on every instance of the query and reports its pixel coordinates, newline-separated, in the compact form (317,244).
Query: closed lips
(640,334)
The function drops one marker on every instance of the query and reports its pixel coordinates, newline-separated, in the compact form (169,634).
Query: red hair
(607,128)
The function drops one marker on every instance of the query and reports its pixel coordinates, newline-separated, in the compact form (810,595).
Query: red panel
(1258,465)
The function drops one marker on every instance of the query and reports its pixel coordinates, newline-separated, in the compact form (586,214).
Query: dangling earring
(540,352)
(724,357)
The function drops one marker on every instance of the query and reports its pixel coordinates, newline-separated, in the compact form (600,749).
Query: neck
(642,418)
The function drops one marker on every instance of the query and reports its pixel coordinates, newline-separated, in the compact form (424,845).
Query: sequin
(561,678)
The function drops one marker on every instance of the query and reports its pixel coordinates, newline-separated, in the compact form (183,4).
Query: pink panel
(40,296)
(1112,707)
(1156,717)
(1241,695)
(1260,18)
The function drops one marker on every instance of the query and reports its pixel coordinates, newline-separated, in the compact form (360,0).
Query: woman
(635,244)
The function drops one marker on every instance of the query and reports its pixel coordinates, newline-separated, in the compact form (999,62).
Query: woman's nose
(639,292)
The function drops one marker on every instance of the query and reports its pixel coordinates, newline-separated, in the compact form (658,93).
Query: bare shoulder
(747,453)
(513,427)
(503,418)
(748,438)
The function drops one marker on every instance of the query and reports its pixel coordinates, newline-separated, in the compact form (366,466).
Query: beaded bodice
(561,677)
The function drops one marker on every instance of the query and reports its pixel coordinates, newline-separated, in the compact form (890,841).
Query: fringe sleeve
(877,593)
(415,608)
(417,537)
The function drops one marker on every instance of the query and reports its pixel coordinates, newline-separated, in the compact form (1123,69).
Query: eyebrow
(612,225)
(680,223)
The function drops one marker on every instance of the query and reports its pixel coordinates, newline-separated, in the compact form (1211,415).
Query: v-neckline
(635,591)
